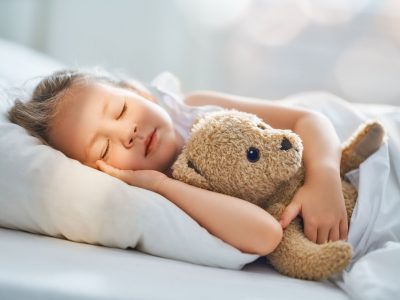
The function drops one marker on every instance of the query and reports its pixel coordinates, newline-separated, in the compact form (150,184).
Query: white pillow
(42,191)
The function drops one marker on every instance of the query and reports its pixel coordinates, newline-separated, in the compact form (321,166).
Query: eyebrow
(94,137)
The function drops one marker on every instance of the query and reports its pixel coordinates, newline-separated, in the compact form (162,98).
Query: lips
(150,142)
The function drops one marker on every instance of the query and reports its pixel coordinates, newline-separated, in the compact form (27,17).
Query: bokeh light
(213,14)
(388,19)
(369,71)
(275,23)
(334,12)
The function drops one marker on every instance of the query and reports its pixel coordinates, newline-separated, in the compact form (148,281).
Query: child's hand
(321,204)
(146,179)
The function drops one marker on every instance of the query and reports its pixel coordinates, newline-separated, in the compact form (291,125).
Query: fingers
(322,235)
(125,175)
(290,212)
(311,231)
(319,235)
(343,229)
(106,168)
(334,233)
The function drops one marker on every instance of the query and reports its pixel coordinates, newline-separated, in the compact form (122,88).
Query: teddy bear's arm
(364,142)
(298,257)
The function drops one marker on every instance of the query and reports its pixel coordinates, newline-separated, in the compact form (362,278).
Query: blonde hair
(36,114)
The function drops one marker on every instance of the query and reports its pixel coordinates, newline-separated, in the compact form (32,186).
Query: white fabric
(41,268)
(23,66)
(168,91)
(375,275)
(43,191)
(375,225)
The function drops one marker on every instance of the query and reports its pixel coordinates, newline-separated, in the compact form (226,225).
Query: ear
(184,170)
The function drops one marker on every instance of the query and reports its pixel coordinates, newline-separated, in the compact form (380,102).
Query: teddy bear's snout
(286,144)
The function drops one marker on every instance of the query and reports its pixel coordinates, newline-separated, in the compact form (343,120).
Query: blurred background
(261,48)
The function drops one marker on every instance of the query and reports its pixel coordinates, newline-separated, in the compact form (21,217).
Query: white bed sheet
(39,267)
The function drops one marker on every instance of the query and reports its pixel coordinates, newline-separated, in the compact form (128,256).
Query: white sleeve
(168,91)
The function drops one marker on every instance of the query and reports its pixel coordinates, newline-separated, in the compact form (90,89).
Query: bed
(40,267)
(36,266)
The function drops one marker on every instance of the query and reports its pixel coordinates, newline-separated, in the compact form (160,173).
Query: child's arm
(237,222)
(320,201)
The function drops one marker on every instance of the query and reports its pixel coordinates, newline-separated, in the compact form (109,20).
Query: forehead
(83,99)
(85,93)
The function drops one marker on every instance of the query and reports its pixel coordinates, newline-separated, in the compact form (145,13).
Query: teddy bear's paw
(370,139)
(333,258)
(314,262)
(367,139)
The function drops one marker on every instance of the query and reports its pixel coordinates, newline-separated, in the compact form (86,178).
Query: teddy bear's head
(238,154)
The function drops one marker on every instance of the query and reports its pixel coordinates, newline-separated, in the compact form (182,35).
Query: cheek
(122,159)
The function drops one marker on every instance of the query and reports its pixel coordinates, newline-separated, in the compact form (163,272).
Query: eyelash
(108,141)
(122,112)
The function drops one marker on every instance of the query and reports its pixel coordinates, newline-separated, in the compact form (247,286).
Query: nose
(286,144)
(129,137)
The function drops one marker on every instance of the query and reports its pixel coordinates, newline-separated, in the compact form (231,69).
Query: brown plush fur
(215,158)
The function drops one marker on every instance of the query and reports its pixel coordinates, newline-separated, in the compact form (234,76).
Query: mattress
(41,267)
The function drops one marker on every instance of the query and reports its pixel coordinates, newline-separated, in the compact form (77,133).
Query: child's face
(126,130)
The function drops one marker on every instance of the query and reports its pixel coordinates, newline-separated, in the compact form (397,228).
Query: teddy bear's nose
(286,144)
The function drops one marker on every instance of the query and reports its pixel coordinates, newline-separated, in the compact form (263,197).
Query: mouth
(150,142)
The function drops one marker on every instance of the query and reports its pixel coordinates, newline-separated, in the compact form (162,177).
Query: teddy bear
(238,154)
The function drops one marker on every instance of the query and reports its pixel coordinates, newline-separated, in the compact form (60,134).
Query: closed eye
(105,152)
(122,111)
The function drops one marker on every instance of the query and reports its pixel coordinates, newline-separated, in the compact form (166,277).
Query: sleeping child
(135,134)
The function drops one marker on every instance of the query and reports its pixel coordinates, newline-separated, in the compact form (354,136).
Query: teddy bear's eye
(261,126)
(253,154)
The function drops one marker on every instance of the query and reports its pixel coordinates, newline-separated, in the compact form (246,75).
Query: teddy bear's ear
(213,115)
(184,170)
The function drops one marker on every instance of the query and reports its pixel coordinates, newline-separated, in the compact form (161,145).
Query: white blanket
(375,225)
